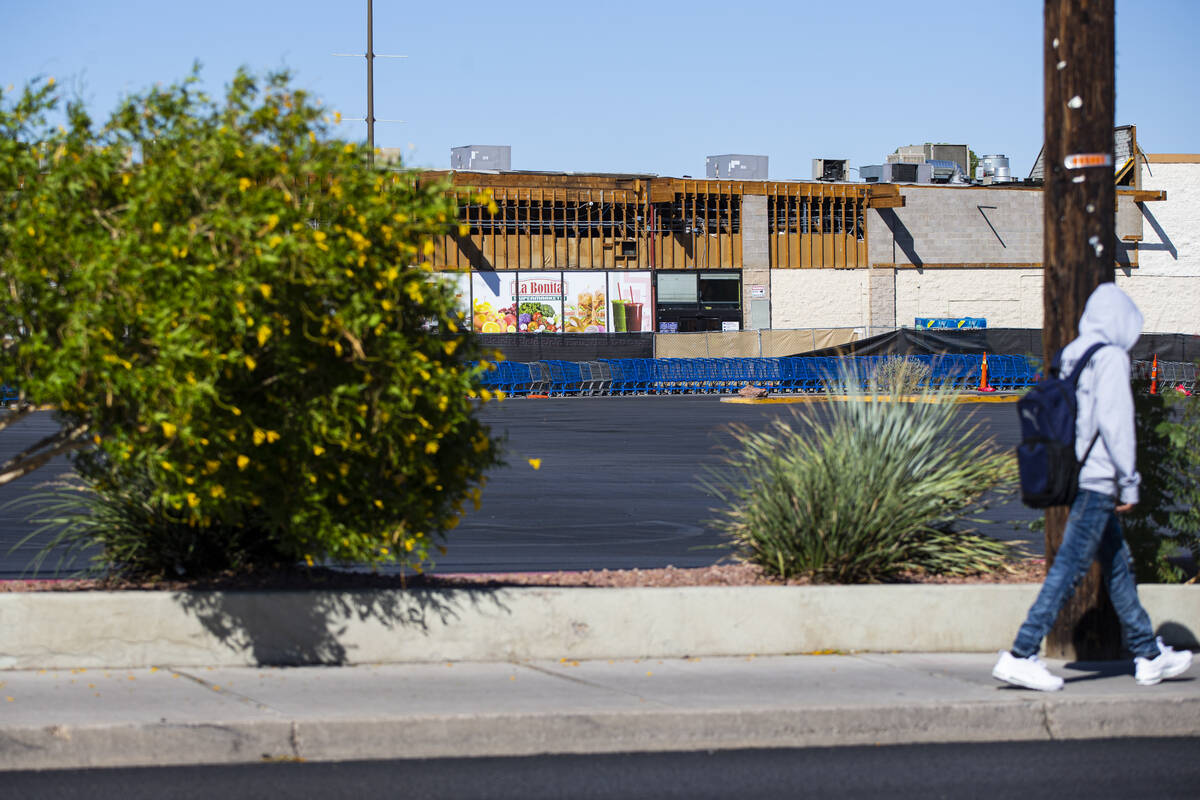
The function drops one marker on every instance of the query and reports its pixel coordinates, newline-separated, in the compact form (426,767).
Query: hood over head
(1110,316)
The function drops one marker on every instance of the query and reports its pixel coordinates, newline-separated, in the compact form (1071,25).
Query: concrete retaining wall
(138,629)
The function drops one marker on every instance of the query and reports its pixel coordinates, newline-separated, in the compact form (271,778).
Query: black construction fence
(526,347)
(1175,347)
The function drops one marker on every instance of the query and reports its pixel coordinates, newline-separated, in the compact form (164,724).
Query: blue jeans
(1093,531)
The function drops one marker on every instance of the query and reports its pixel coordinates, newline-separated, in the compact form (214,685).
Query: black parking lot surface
(619,484)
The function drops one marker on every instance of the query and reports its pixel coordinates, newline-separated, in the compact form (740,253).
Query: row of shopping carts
(796,374)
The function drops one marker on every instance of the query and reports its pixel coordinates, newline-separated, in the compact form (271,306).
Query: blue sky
(633,86)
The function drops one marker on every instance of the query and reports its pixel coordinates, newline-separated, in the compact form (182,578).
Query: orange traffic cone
(983,383)
(1154,376)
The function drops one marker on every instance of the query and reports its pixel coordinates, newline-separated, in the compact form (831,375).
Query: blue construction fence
(794,374)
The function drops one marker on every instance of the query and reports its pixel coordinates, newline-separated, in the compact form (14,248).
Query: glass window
(676,288)
(720,288)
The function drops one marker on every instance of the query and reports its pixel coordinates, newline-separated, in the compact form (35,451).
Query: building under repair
(612,253)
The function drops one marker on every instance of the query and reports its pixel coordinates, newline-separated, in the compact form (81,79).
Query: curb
(842,398)
(525,734)
(63,630)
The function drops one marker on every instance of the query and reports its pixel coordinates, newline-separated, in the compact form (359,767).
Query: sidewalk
(161,716)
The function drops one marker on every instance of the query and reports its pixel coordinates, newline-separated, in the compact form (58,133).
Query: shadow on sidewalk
(296,628)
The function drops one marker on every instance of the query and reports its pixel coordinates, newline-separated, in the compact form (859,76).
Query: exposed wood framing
(817,225)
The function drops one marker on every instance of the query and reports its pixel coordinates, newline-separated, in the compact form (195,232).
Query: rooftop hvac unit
(903,173)
(736,166)
(994,169)
(830,169)
(896,173)
(481,156)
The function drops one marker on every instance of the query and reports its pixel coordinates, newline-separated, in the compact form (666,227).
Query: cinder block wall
(958,226)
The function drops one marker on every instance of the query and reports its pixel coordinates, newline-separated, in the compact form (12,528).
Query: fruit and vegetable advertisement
(539,302)
(493,304)
(630,305)
(460,283)
(585,302)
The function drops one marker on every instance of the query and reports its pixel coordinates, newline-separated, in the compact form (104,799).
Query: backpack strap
(1087,356)
(1074,379)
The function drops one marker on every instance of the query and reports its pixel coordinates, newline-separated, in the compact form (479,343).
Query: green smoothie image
(618,315)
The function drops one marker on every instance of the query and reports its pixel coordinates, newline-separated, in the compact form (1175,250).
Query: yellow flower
(272,437)
(318,450)
(156,227)
(383,551)
(166,465)
(242,462)
(264,333)
(379,504)
(259,437)
(342,501)
(431,448)
(307,558)
(251,364)
(427,249)
(125,179)
(272,221)
(386,305)
(243,184)
(265,289)
(536,463)
(192,500)
(337,117)
(274,241)
(408,545)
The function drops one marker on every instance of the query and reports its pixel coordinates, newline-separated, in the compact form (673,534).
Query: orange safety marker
(1154,376)
(983,382)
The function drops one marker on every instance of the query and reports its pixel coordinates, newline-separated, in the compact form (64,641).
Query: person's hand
(1124,508)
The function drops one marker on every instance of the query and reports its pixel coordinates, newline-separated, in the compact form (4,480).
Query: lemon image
(491,327)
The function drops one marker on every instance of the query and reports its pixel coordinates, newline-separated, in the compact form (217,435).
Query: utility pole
(1079,250)
(370,85)
(371,55)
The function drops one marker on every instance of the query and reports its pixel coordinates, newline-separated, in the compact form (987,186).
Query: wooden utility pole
(1079,251)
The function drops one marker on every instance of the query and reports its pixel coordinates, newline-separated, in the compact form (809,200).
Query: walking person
(1105,443)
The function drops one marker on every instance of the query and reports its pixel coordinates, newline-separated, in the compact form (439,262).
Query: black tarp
(1009,341)
(569,346)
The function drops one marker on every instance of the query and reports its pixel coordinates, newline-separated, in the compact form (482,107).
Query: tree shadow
(296,628)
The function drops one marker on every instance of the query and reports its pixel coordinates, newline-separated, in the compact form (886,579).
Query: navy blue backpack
(1046,455)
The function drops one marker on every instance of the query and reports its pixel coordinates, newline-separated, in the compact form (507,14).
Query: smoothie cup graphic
(618,315)
(633,316)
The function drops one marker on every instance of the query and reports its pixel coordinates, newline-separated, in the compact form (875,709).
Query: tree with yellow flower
(220,301)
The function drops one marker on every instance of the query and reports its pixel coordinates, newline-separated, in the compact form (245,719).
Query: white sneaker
(1167,664)
(1029,673)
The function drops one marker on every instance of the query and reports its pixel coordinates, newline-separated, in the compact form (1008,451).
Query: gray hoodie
(1104,394)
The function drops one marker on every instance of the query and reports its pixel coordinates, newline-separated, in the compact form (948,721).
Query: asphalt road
(1117,769)
(618,485)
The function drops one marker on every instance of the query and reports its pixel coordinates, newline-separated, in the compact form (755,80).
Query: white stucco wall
(1166,284)
(1007,298)
(818,298)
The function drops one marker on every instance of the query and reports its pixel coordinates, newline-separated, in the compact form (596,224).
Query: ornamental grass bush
(236,320)
(901,375)
(864,490)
